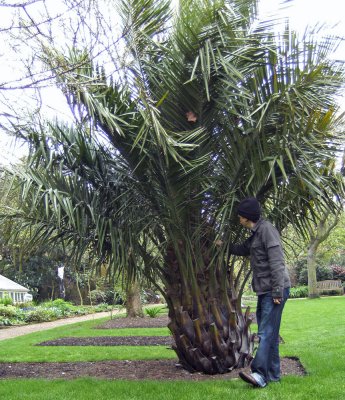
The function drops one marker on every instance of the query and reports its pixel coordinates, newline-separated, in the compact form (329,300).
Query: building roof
(8,285)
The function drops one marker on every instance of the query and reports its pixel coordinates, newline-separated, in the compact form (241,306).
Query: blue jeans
(266,362)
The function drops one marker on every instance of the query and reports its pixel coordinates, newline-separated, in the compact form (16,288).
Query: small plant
(299,291)
(153,311)
(41,315)
(5,321)
(102,307)
(6,301)
(65,307)
(11,315)
(8,311)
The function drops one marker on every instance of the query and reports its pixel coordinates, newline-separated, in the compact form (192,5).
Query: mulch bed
(111,341)
(146,322)
(129,370)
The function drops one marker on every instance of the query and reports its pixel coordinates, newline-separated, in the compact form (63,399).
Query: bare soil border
(166,370)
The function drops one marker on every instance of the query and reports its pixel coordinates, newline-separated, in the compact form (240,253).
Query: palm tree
(207,106)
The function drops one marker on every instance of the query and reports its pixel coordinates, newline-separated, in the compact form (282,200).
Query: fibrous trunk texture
(211,332)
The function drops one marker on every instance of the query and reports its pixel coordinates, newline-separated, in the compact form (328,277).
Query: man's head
(249,209)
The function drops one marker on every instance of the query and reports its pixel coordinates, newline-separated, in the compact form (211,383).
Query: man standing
(271,283)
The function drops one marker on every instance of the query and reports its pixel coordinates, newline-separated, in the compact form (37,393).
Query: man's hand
(277,300)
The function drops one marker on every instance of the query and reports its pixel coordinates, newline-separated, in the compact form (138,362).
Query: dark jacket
(266,259)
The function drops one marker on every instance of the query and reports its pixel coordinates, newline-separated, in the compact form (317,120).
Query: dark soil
(131,370)
(111,341)
(146,322)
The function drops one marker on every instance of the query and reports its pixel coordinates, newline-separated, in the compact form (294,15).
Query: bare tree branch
(19,5)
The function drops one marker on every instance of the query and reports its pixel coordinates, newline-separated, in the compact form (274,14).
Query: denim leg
(274,362)
(266,362)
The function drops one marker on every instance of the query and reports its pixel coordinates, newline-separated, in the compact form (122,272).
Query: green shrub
(330,292)
(6,301)
(5,321)
(47,311)
(11,315)
(102,307)
(338,272)
(8,311)
(65,307)
(299,291)
(98,296)
(323,272)
(61,303)
(153,311)
(42,315)
(82,310)
(105,297)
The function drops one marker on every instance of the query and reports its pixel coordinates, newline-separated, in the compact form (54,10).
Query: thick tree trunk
(133,301)
(311,266)
(211,333)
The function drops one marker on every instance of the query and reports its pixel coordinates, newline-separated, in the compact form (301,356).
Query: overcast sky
(301,13)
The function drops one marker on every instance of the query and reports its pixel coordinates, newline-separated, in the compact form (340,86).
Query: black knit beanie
(249,208)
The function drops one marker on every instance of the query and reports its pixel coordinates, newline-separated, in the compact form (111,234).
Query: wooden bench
(330,285)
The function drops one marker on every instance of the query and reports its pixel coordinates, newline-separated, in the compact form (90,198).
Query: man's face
(245,222)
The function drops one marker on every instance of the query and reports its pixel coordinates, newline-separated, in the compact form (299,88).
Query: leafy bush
(8,311)
(47,311)
(81,311)
(5,321)
(6,301)
(113,297)
(42,315)
(11,315)
(338,272)
(323,272)
(153,312)
(299,291)
(330,292)
(102,307)
(65,307)
(98,296)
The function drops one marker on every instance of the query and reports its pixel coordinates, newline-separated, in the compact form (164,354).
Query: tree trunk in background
(133,301)
(78,289)
(318,235)
(311,266)
(89,290)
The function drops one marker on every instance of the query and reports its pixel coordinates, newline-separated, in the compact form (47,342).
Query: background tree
(194,111)
(318,232)
(318,235)
(67,223)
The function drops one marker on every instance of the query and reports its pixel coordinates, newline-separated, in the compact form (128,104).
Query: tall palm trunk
(211,333)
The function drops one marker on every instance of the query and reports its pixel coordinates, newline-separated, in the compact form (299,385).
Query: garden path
(14,331)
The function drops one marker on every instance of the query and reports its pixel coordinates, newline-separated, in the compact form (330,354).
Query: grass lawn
(313,330)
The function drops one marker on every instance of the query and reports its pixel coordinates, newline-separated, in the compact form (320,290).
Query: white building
(18,293)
